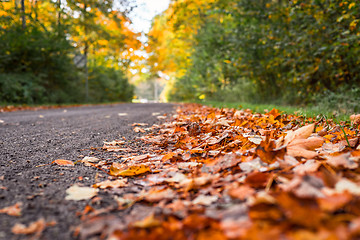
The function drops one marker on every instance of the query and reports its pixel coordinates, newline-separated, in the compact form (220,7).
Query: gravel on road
(31,140)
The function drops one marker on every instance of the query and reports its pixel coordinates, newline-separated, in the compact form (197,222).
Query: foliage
(113,82)
(35,67)
(278,51)
(38,46)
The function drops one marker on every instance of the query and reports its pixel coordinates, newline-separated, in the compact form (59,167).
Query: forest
(268,51)
(283,52)
(65,51)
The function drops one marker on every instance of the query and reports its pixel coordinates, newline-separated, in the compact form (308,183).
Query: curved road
(30,140)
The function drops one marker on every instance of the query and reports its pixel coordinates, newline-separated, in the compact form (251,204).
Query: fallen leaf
(78,193)
(345,185)
(14,210)
(355,119)
(268,152)
(131,171)
(343,160)
(114,143)
(35,228)
(139,124)
(148,222)
(63,162)
(90,159)
(301,133)
(242,192)
(205,200)
(111,184)
(138,129)
(307,167)
(156,195)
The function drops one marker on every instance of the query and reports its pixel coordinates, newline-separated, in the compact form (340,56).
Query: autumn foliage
(247,50)
(232,174)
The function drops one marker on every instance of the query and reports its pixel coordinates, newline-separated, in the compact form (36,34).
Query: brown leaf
(148,222)
(63,162)
(309,143)
(355,119)
(36,228)
(242,192)
(14,210)
(111,184)
(301,133)
(258,179)
(343,160)
(268,153)
(138,129)
(297,151)
(156,195)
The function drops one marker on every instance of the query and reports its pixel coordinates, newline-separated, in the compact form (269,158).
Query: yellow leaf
(131,171)
(148,222)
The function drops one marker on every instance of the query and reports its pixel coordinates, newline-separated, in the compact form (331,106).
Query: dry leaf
(35,228)
(345,185)
(148,222)
(63,162)
(343,160)
(111,184)
(355,119)
(90,159)
(205,200)
(14,210)
(78,193)
(301,133)
(131,171)
(138,129)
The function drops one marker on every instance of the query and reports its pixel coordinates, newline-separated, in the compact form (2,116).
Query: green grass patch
(313,111)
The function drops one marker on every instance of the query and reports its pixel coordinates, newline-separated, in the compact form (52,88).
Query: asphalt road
(31,140)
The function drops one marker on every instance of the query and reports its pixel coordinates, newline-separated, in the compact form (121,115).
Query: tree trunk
(59,13)
(86,49)
(23,14)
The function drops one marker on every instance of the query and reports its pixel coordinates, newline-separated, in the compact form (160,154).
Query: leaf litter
(233,174)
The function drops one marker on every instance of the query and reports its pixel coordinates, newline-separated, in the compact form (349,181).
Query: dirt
(31,140)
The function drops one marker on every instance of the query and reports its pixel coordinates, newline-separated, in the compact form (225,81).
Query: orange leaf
(131,171)
(63,162)
(14,210)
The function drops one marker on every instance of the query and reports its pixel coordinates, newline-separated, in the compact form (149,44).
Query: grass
(302,111)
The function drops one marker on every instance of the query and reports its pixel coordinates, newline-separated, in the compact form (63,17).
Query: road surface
(31,140)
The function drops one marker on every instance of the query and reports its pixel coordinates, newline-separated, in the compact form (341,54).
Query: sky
(146,10)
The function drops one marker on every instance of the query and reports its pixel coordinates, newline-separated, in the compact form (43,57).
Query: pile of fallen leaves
(231,174)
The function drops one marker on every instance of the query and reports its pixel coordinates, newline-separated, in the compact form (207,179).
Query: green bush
(108,85)
(35,67)
(21,88)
